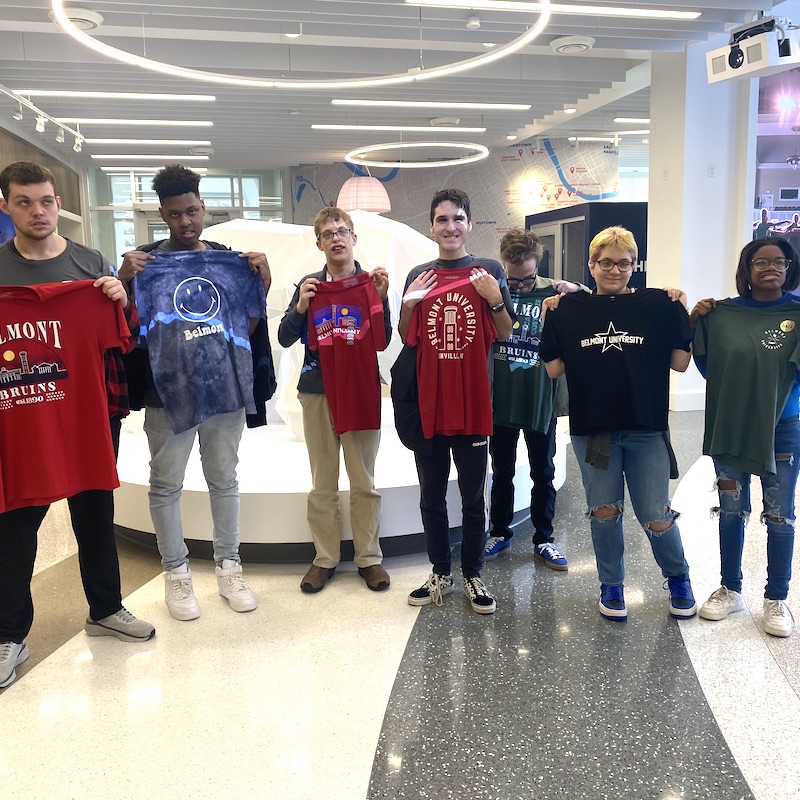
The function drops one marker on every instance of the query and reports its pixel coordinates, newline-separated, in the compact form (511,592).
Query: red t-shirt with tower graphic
(452,329)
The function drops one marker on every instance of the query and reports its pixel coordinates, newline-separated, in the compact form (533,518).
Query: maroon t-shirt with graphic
(346,325)
(452,329)
(55,440)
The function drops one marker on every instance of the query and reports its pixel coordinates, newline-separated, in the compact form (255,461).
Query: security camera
(735,57)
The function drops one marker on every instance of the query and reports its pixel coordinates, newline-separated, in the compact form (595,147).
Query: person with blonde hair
(616,347)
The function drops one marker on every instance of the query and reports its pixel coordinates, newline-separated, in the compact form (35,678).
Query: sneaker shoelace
(435,585)
(678,589)
(5,650)
(777,609)
(123,615)
(235,582)
(476,587)
(182,589)
(491,543)
(548,550)
(720,597)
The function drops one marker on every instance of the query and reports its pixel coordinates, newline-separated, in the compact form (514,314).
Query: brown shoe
(376,576)
(316,578)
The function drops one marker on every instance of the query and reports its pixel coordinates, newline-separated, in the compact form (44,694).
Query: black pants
(92,515)
(541,451)
(470,458)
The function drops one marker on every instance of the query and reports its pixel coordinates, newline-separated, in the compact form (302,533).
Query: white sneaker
(179,594)
(11,656)
(778,619)
(232,587)
(721,603)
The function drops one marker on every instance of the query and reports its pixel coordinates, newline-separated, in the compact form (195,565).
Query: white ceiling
(265,128)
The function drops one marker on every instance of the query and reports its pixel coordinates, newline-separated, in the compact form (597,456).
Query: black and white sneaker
(479,596)
(432,590)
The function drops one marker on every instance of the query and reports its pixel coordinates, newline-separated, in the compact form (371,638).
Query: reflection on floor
(351,694)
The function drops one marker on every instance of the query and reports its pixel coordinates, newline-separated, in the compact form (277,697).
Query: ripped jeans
(734,508)
(641,459)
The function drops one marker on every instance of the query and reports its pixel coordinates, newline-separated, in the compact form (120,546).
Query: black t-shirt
(616,350)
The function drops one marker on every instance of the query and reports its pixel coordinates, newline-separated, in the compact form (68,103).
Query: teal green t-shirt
(751,357)
(523,394)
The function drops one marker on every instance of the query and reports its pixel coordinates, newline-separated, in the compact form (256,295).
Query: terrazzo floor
(351,694)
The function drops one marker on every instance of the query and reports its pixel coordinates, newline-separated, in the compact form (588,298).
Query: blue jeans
(734,508)
(169,454)
(641,459)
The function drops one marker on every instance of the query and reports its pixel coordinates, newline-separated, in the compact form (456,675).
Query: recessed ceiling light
(489,44)
(559,8)
(570,110)
(188,123)
(140,169)
(641,132)
(202,98)
(405,128)
(430,104)
(181,142)
(511,137)
(634,120)
(170,157)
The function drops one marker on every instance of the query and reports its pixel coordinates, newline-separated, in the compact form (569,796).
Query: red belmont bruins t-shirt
(346,325)
(452,329)
(55,439)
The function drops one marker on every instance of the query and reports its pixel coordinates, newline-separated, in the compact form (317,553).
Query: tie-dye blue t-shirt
(195,308)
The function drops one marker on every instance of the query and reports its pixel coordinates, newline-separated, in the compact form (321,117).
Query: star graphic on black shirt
(612,331)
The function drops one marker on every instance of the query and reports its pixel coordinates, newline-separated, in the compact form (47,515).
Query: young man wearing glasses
(525,399)
(341,314)
(617,347)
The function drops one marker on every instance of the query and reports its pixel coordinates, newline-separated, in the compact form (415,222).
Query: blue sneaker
(612,603)
(681,599)
(551,556)
(494,547)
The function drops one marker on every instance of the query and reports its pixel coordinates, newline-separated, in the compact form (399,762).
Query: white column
(702,185)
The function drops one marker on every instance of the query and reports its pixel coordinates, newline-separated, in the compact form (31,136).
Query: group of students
(478,366)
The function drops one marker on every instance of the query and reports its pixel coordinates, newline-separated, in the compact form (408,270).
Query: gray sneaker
(123,625)
(11,656)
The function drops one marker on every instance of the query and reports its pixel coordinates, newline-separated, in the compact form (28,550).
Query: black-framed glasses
(342,233)
(606,264)
(517,284)
(763,264)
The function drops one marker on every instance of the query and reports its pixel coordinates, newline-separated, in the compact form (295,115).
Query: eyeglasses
(342,233)
(521,283)
(763,264)
(606,264)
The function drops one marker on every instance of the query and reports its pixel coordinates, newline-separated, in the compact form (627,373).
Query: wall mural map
(528,178)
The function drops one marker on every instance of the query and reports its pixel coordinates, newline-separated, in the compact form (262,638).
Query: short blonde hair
(615,236)
(331,213)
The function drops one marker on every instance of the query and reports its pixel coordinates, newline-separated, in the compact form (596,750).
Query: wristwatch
(498,308)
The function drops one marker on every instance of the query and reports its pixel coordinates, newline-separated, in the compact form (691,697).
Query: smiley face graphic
(196,300)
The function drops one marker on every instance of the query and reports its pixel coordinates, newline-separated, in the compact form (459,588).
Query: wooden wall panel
(12,148)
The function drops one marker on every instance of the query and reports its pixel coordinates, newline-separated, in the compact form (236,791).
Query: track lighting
(40,121)
(60,136)
(78,146)
(18,113)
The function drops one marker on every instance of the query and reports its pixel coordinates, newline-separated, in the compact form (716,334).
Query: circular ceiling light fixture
(571,45)
(81,18)
(359,156)
(61,17)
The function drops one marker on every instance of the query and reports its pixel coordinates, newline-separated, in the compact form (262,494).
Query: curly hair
(175,180)
(518,245)
(25,173)
(751,248)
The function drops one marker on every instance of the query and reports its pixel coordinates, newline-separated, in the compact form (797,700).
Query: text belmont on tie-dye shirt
(195,309)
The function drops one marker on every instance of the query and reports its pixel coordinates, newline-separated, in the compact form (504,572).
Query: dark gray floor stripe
(545,699)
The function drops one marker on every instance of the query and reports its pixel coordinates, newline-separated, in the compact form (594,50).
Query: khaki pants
(324,516)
